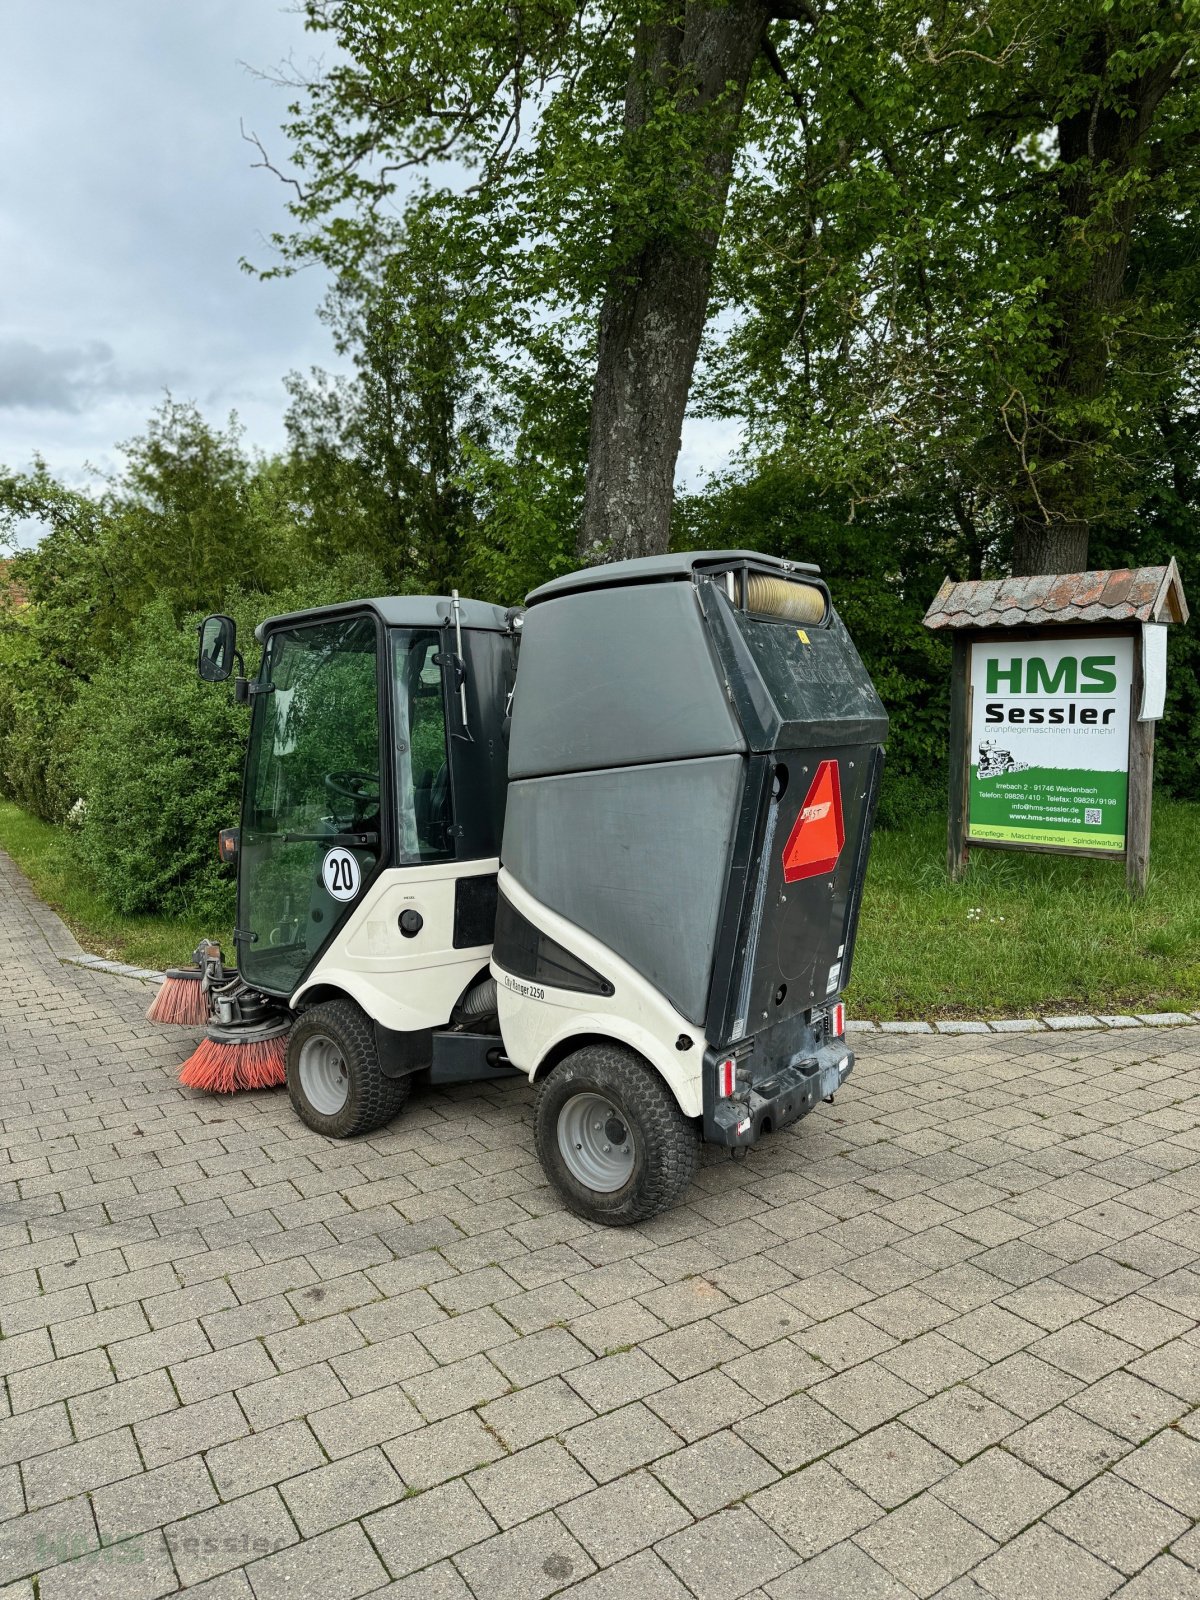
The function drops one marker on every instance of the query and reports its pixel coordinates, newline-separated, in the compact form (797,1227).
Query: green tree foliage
(383,451)
(965,270)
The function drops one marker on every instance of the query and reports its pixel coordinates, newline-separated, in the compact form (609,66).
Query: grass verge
(1024,933)
(1019,934)
(43,855)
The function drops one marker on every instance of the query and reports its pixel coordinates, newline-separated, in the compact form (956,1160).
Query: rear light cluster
(837,1021)
(726,1077)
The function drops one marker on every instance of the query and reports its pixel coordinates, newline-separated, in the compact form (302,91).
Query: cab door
(313,808)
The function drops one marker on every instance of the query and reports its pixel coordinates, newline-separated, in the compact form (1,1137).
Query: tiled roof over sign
(1128,594)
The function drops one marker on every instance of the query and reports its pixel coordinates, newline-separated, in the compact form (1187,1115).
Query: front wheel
(334,1078)
(611,1137)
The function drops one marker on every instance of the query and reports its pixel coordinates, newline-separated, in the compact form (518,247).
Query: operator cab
(375,742)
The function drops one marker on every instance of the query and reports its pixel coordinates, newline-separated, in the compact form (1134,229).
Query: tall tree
(575,162)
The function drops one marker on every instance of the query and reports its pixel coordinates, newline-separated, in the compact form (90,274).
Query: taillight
(837,1021)
(726,1077)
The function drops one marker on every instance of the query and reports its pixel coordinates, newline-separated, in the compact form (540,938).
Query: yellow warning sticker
(801,635)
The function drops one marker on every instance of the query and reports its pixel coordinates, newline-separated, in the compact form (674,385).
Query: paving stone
(427,1527)
(925,1544)
(137,1569)
(349,1488)
(1169,1467)
(619,1442)
(367,1420)
(531,1481)
(443,1450)
(774,1371)
(845,1340)
(999,1494)
(866,1396)
(545,1354)
(41,1539)
(1041,1565)
(623,1517)
(1084,1352)
(814,1508)
(892,1464)
(442,1581)
(336,1566)
(701,1405)
(844,1572)
(931,1363)
(190,1430)
(550,1407)
(726,1555)
(793,1432)
(714,1472)
(961,1422)
(1026,1385)
(527,1562)
(1118,1523)
(458,1387)
(1128,1406)
(615,1380)
(264,1458)
(116,1404)
(229,1536)
(287,1397)
(1164,1579)
(1174,1367)
(147,1352)
(153,1499)
(645,1575)
(1067,1447)
(12,1494)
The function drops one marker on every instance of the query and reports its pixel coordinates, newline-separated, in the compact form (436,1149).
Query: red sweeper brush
(240,1056)
(182,998)
(185,995)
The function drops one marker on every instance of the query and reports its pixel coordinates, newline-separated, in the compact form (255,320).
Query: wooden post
(960,756)
(1141,784)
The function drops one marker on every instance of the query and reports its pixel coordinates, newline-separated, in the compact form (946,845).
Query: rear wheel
(611,1137)
(335,1081)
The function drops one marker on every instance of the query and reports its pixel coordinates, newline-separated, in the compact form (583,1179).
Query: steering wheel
(350,784)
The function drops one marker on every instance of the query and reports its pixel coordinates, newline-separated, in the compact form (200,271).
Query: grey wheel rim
(595,1142)
(323,1075)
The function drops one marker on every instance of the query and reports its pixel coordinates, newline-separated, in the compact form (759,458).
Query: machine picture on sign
(1049,762)
(340,874)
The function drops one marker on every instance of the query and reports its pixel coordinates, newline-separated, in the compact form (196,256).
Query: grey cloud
(65,379)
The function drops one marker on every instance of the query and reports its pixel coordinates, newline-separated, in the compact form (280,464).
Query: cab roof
(399,611)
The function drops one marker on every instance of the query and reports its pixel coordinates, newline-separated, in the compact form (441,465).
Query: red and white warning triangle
(816,840)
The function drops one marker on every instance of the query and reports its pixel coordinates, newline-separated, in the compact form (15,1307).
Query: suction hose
(479,1001)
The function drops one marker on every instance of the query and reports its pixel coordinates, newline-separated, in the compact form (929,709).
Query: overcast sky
(127,199)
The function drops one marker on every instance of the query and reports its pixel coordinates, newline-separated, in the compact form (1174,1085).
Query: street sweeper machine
(614,840)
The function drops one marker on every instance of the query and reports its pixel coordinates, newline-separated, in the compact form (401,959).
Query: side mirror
(218,648)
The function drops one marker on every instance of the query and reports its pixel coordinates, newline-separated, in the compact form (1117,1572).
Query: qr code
(1091,816)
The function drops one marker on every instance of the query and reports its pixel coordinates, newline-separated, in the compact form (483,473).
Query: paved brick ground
(938,1340)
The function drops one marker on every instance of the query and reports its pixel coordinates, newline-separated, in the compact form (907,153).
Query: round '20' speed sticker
(340,874)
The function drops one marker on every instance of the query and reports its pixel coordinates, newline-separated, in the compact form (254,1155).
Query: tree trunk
(655,304)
